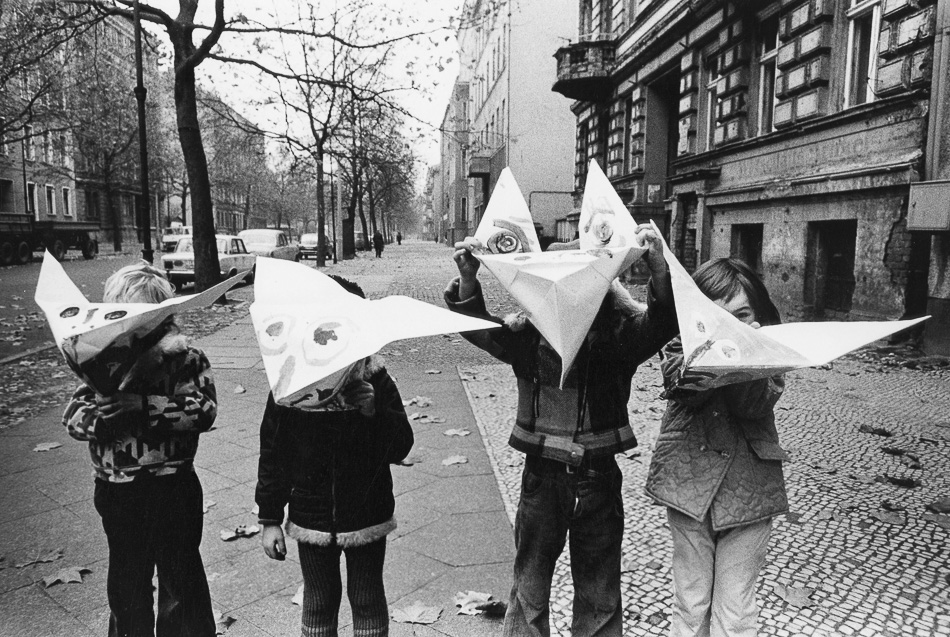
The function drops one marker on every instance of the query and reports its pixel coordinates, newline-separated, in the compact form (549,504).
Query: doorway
(829,267)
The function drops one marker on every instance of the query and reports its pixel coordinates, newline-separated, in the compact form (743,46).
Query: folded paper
(719,349)
(561,291)
(311,330)
(101,341)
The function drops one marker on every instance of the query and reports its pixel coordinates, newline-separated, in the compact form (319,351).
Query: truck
(21,235)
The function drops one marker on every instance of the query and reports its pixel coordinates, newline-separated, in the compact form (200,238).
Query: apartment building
(808,137)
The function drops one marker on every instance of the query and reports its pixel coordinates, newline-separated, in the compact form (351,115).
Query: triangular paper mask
(310,329)
(719,349)
(561,291)
(102,341)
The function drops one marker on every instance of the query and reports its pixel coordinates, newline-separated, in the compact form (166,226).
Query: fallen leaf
(793,517)
(68,575)
(457,432)
(493,608)
(255,509)
(298,596)
(417,613)
(940,519)
(47,446)
(455,460)
(911,461)
(51,556)
(208,504)
(415,416)
(222,623)
(876,431)
(887,505)
(432,371)
(940,505)
(243,530)
(411,459)
(893,451)
(797,596)
(654,564)
(418,401)
(468,601)
(656,618)
(239,389)
(889,517)
(825,514)
(907,483)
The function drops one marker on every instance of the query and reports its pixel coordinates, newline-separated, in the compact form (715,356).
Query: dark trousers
(323,589)
(155,523)
(586,504)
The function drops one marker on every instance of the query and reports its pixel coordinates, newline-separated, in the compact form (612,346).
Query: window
(712,99)
(767,54)
(6,196)
(29,145)
(67,209)
(92,204)
(463,209)
(864,26)
(627,142)
(31,198)
(50,200)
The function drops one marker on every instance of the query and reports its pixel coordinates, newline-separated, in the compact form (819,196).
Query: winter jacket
(718,450)
(179,402)
(588,418)
(332,467)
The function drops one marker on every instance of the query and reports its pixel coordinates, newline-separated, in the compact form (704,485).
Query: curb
(36,350)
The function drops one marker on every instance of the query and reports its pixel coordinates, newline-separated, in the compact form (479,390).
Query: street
(859,554)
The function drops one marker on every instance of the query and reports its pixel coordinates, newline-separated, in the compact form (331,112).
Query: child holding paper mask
(717,467)
(143,441)
(330,463)
(571,482)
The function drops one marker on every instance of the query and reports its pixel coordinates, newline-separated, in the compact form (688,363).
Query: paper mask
(719,349)
(102,341)
(311,330)
(507,226)
(561,291)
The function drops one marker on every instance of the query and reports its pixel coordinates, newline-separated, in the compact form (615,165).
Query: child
(718,469)
(331,464)
(143,441)
(571,482)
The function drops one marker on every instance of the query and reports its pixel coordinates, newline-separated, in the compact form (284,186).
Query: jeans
(714,575)
(155,523)
(323,589)
(587,505)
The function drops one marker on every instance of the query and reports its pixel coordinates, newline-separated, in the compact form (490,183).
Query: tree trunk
(114,215)
(372,205)
(321,209)
(366,235)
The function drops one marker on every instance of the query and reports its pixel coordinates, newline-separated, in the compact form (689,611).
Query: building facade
(504,115)
(788,133)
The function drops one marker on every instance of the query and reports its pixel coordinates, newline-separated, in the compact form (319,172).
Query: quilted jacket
(718,451)
(179,402)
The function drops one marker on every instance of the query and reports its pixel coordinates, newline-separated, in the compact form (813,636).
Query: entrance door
(829,267)
(747,244)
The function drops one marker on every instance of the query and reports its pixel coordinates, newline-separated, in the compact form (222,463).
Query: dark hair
(723,279)
(349,286)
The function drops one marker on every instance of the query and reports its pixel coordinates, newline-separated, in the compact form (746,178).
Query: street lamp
(140,92)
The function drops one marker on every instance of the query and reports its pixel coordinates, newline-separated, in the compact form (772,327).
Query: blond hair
(138,283)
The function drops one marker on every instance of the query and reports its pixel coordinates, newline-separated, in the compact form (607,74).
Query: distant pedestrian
(143,441)
(398,238)
(571,483)
(717,466)
(378,243)
(330,462)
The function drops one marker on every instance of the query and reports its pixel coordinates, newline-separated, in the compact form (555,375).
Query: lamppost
(140,92)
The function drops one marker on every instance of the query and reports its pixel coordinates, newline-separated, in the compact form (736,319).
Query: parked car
(172,235)
(308,247)
(269,243)
(233,257)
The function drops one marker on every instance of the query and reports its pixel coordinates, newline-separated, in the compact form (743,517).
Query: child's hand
(272,539)
(645,235)
(360,394)
(118,405)
(466,262)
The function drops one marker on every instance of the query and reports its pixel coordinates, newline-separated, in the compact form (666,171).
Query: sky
(435,64)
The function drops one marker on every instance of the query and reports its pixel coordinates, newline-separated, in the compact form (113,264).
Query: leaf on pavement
(907,483)
(418,401)
(887,505)
(243,530)
(454,460)
(433,371)
(411,459)
(239,389)
(50,556)
(876,431)
(656,618)
(493,608)
(797,596)
(47,446)
(911,461)
(940,519)
(940,505)
(457,432)
(417,613)
(68,575)
(469,600)
(298,596)
(888,517)
(415,416)
(208,504)
(222,623)
(824,514)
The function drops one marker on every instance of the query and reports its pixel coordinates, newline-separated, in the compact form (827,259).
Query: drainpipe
(936,164)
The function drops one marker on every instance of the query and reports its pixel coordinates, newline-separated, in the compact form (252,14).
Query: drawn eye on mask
(326,338)
(509,238)
(727,350)
(275,334)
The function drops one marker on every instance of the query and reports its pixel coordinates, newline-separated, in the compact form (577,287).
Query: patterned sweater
(179,402)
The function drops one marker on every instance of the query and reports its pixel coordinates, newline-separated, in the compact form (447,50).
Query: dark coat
(332,467)
(718,451)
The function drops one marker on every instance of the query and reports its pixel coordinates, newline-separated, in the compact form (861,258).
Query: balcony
(583,69)
(479,166)
(483,149)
